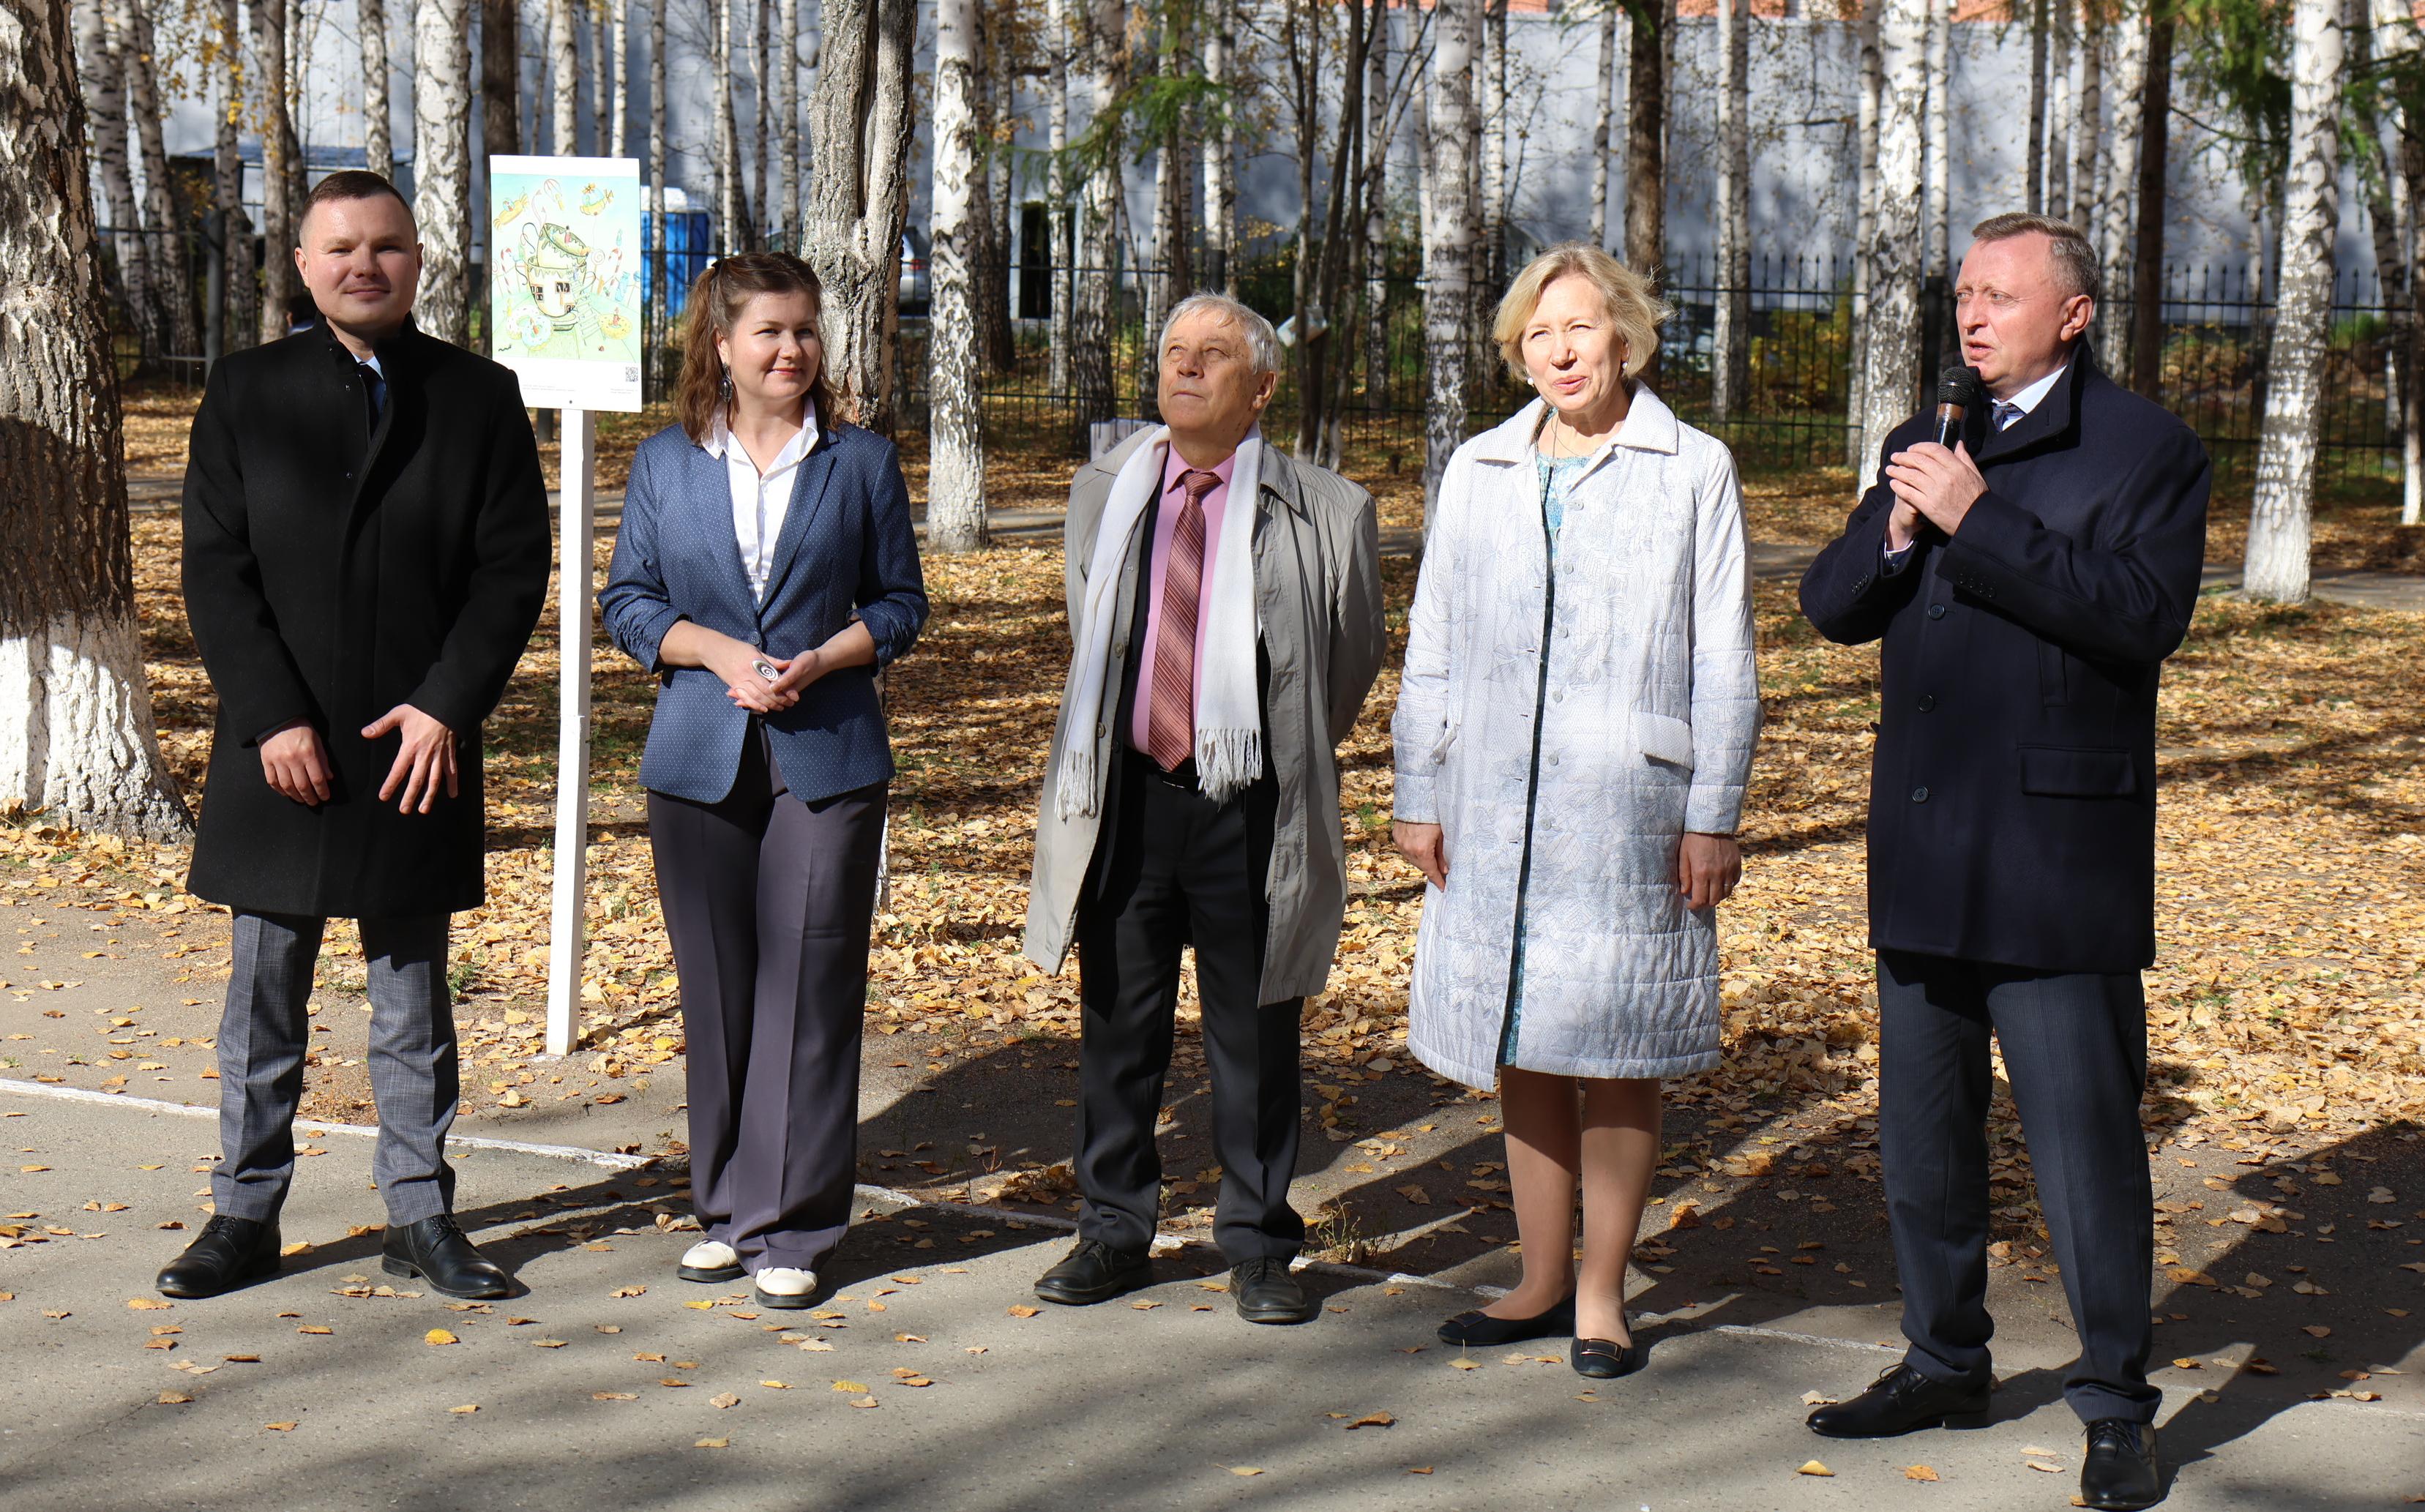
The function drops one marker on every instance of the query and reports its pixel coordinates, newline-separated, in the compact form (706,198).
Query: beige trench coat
(1318,609)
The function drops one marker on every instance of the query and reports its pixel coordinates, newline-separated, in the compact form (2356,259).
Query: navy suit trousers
(2075,1048)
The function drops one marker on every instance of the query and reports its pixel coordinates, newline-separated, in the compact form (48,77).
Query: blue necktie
(374,391)
(2006,412)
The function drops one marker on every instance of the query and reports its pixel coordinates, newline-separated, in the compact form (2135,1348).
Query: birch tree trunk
(660,270)
(501,76)
(603,69)
(1890,364)
(1095,329)
(1172,276)
(1376,187)
(787,110)
(1646,141)
(2398,42)
(564,78)
(279,150)
(2386,223)
(761,63)
(1730,341)
(1449,296)
(731,213)
(1056,193)
(2278,520)
(859,123)
(2115,223)
(1866,113)
(102,62)
(1000,339)
(1601,120)
(240,314)
(379,150)
(618,62)
(2148,253)
(2062,118)
(1491,88)
(956,511)
(441,166)
(1220,152)
(170,280)
(1938,263)
(2040,19)
(2088,122)
(76,738)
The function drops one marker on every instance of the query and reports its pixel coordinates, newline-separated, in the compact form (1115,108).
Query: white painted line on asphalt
(607,1158)
(1753,1331)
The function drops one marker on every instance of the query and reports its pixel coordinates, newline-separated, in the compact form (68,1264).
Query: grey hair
(2073,260)
(1262,342)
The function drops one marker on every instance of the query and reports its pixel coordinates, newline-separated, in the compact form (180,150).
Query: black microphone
(1957,390)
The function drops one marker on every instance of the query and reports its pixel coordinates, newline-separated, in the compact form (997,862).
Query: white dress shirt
(760,500)
(2001,413)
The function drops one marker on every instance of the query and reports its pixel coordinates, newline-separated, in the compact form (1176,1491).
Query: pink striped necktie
(1170,718)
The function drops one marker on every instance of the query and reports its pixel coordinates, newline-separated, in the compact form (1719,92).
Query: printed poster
(564,278)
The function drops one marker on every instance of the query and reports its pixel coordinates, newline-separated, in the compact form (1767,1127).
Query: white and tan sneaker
(709,1259)
(782,1286)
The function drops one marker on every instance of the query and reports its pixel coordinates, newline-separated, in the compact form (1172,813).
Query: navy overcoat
(846,548)
(2013,793)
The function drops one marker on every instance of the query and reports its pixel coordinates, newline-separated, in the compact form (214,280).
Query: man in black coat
(366,549)
(2028,585)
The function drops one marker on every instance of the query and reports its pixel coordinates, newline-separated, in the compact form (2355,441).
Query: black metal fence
(2216,321)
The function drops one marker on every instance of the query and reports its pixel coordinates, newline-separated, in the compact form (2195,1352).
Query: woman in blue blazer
(765,570)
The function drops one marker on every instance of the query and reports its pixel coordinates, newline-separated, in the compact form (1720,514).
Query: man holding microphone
(2027,583)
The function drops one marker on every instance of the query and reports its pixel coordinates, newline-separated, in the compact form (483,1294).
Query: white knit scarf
(1228,716)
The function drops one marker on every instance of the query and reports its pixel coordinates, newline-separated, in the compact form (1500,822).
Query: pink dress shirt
(1165,522)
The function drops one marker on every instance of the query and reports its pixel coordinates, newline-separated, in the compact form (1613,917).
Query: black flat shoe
(1604,1359)
(228,1252)
(1481,1329)
(2120,1471)
(1094,1272)
(1265,1292)
(436,1250)
(1898,1402)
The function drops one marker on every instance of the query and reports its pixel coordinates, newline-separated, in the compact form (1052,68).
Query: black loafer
(228,1252)
(1094,1272)
(1605,1360)
(2120,1471)
(1480,1329)
(1899,1401)
(436,1250)
(1266,1292)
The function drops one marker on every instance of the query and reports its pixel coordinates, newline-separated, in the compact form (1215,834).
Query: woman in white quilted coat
(1574,729)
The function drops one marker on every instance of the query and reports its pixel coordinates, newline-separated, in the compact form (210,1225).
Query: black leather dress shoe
(2120,1470)
(228,1252)
(1900,1400)
(1605,1360)
(1266,1292)
(436,1250)
(1093,1272)
(1483,1330)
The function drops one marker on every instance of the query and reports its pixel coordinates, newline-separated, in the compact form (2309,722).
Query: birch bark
(2034,154)
(859,123)
(1094,328)
(2113,232)
(1890,365)
(240,314)
(2397,40)
(379,149)
(100,62)
(2279,515)
(77,736)
(1601,120)
(1865,218)
(1056,192)
(171,328)
(2088,121)
(955,512)
(787,111)
(1450,237)
(1938,263)
(1730,341)
(442,166)
(564,78)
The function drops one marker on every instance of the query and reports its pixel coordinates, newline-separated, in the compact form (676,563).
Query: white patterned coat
(1646,708)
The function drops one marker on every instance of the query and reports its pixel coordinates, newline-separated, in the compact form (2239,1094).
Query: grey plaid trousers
(264,1034)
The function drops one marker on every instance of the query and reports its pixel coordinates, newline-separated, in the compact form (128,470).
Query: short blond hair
(1632,300)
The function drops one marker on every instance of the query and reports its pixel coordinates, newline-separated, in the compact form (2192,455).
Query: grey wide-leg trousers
(767,901)
(264,1032)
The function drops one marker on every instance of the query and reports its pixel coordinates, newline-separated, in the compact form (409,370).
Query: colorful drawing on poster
(564,283)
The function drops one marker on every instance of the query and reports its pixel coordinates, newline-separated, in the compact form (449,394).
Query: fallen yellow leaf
(468,1407)
(438,1336)
(712,1443)
(1812,1467)
(1918,1472)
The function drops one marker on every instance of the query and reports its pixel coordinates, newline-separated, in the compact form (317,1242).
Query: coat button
(1920,794)
(1937,611)
(1927,702)
(757,639)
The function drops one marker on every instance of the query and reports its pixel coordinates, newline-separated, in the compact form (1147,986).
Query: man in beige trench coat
(1225,609)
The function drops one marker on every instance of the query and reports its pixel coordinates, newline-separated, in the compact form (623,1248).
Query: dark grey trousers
(767,901)
(264,1034)
(2075,1048)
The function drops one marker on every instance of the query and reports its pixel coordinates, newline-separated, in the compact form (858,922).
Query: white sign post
(564,313)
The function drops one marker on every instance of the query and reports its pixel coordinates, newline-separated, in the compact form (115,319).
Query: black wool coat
(334,570)
(2013,793)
